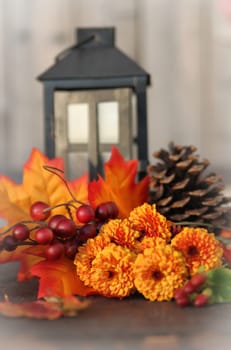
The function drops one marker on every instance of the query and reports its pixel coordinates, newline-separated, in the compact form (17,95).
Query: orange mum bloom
(147,220)
(151,242)
(158,272)
(121,233)
(112,271)
(199,248)
(86,254)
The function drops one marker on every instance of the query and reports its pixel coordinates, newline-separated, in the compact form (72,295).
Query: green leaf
(219,280)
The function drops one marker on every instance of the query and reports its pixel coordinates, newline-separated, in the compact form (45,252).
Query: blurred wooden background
(184,44)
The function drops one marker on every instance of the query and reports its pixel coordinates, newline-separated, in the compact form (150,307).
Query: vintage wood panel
(183,44)
(221,123)
(171,52)
(2,94)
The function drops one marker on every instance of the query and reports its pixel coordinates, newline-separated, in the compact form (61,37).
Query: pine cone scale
(167,179)
(165,201)
(181,203)
(181,184)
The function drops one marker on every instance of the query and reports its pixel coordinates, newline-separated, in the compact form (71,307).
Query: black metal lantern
(95,97)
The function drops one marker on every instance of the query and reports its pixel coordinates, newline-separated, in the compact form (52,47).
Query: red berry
(198,279)
(55,220)
(112,210)
(44,235)
(21,232)
(87,231)
(37,211)
(179,293)
(201,300)
(107,210)
(183,301)
(65,228)
(101,211)
(189,287)
(99,226)
(54,251)
(9,243)
(85,213)
(70,249)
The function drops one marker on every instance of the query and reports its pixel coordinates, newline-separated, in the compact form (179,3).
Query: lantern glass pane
(108,122)
(105,156)
(78,122)
(77,164)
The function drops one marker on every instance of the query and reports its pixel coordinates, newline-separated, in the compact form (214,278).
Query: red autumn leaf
(59,278)
(42,309)
(227,253)
(119,185)
(225,233)
(38,185)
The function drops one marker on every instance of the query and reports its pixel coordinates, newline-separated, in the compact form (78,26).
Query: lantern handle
(63,53)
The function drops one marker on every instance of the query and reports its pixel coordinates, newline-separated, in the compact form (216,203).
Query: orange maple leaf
(38,185)
(119,185)
(58,278)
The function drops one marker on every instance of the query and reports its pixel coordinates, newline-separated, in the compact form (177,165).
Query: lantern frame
(94,63)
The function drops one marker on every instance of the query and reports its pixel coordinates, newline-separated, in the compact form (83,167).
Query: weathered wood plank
(183,44)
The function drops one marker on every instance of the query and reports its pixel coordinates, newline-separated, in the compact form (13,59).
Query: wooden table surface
(132,323)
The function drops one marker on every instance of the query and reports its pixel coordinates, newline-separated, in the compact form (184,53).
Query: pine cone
(183,191)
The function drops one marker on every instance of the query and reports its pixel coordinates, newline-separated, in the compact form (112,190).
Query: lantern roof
(94,57)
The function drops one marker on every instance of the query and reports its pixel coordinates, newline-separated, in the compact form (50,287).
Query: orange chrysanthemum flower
(121,233)
(151,242)
(147,220)
(199,248)
(158,272)
(112,271)
(86,254)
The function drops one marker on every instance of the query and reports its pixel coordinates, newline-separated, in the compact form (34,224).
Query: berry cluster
(194,292)
(59,234)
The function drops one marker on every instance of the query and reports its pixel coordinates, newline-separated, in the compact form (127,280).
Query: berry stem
(69,212)
(39,223)
(66,204)
(31,242)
